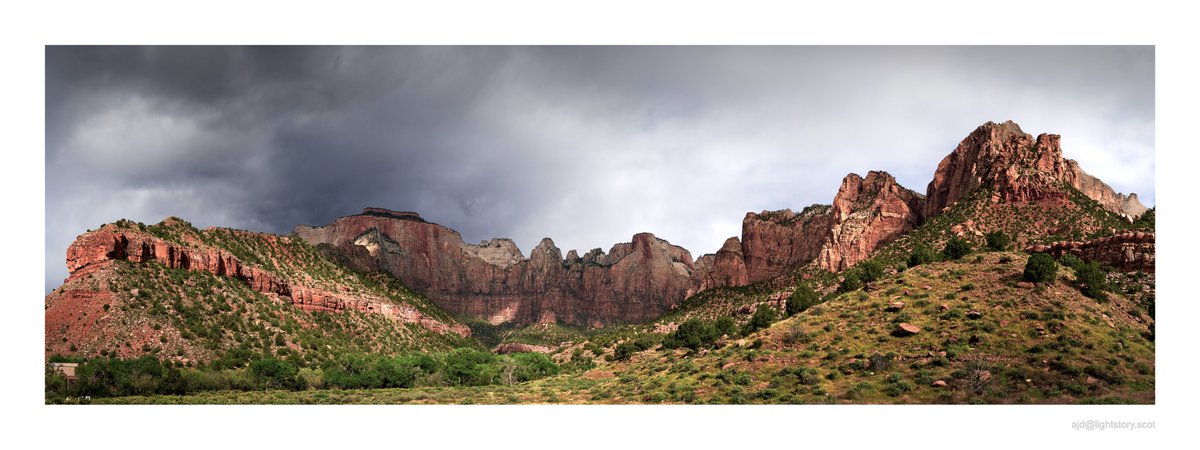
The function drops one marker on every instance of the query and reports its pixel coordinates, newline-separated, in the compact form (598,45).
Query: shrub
(352,371)
(851,281)
(273,373)
(398,372)
(802,298)
(693,334)
(624,351)
(1072,261)
(921,255)
(762,318)
(470,367)
(998,241)
(725,325)
(531,366)
(871,271)
(1040,268)
(1090,279)
(956,248)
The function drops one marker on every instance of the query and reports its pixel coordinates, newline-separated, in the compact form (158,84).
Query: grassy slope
(200,317)
(1048,344)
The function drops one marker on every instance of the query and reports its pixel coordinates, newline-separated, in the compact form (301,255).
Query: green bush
(470,367)
(802,298)
(871,271)
(1072,261)
(725,326)
(693,334)
(1040,268)
(763,316)
(352,371)
(956,248)
(531,366)
(397,372)
(624,351)
(998,241)
(921,255)
(1090,279)
(272,373)
(851,281)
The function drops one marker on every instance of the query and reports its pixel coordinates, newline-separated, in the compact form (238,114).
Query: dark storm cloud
(585,145)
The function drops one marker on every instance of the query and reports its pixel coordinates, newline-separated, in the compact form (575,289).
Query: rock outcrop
(110,243)
(867,213)
(727,267)
(1019,168)
(774,242)
(1126,205)
(1132,250)
(634,282)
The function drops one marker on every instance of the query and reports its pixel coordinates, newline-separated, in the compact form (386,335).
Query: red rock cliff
(774,242)
(98,248)
(634,282)
(727,267)
(1019,167)
(867,213)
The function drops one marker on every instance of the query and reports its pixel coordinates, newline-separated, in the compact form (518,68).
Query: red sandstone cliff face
(1020,169)
(867,213)
(727,267)
(774,242)
(97,249)
(634,282)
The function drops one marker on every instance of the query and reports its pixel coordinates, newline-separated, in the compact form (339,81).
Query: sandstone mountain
(997,179)
(633,282)
(1019,168)
(639,281)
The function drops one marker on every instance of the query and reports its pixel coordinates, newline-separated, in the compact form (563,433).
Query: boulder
(906,329)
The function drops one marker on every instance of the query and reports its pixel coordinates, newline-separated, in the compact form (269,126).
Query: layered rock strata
(110,243)
(1127,251)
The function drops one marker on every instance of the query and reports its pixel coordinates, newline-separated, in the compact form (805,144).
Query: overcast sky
(584,145)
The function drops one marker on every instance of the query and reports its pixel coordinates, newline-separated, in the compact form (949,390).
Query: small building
(67,369)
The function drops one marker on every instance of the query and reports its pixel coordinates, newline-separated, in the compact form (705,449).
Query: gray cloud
(587,145)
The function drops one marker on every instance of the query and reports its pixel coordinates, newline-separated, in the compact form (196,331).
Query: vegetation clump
(1040,268)
(1090,279)
(956,248)
(921,255)
(763,316)
(802,298)
(997,241)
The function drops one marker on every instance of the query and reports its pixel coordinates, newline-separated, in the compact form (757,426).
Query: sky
(586,145)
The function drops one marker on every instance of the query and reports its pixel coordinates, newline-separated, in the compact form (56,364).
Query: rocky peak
(867,212)
(1018,167)
(546,251)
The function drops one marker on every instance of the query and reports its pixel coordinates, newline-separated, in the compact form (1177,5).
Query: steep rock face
(1127,205)
(727,267)
(776,241)
(1019,167)
(634,282)
(867,212)
(110,243)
